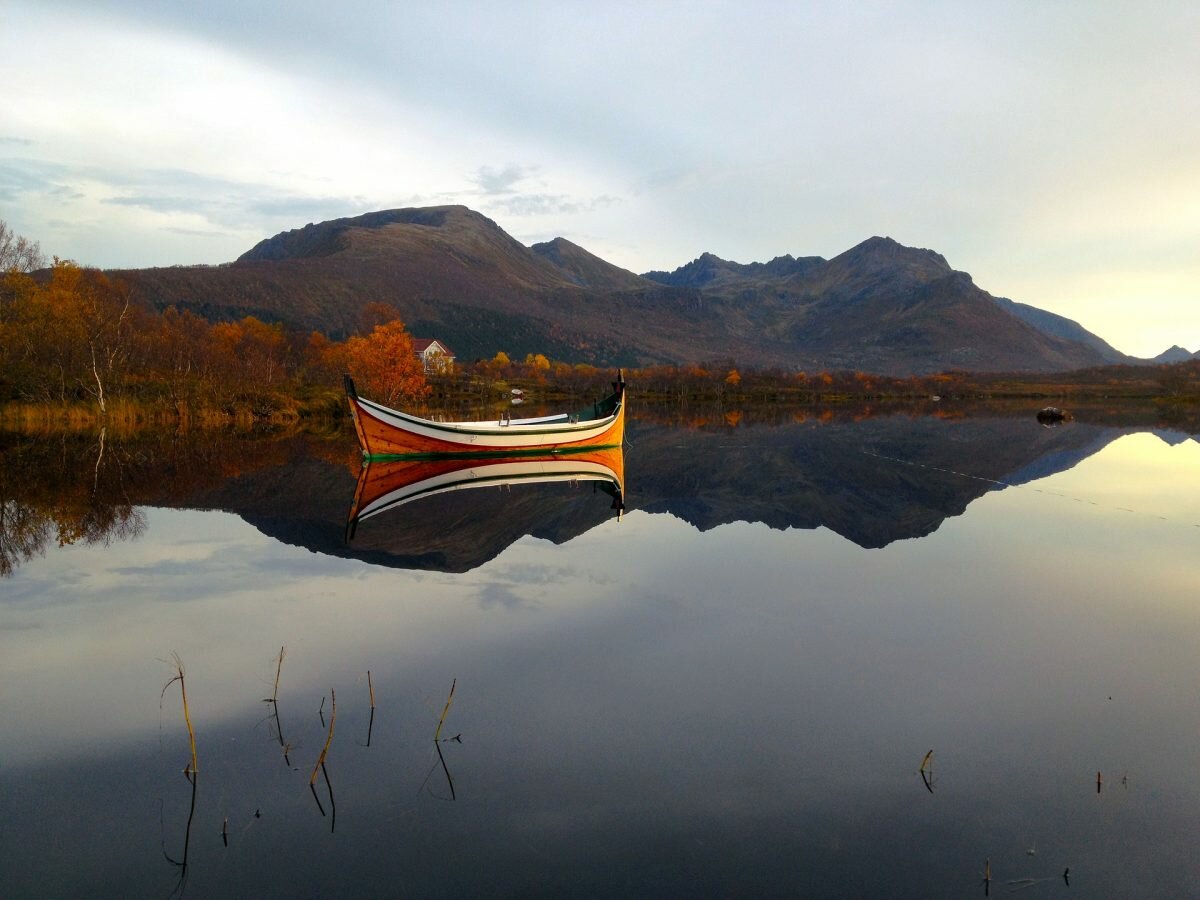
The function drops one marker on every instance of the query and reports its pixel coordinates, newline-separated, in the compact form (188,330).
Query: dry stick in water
(371,723)
(278,669)
(449,700)
(329,739)
(195,765)
(927,771)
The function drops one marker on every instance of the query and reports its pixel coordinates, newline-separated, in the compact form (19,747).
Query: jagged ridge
(454,274)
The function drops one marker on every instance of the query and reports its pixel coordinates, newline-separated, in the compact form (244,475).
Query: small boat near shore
(388,433)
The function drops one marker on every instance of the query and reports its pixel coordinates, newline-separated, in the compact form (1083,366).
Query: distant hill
(1175,354)
(456,275)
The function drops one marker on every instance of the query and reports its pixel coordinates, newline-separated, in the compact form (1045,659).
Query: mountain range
(455,275)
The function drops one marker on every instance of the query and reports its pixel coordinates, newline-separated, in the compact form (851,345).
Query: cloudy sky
(1051,149)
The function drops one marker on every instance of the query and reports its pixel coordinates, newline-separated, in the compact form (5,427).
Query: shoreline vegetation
(304,397)
(465,395)
(78,351)
(484,388)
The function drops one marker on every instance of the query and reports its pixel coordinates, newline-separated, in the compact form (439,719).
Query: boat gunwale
(499,429)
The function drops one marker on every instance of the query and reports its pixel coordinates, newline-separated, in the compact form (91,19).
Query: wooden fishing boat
(388,484)
(385,432)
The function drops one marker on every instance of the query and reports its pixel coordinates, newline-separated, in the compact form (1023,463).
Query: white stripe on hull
(493,434)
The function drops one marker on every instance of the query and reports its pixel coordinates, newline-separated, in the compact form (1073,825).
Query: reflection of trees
(24,532)
(39,504)
(87,489)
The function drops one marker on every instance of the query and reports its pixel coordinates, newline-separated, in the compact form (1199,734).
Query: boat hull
(384,432)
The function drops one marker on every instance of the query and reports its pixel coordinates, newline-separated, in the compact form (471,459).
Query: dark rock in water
(1052,415)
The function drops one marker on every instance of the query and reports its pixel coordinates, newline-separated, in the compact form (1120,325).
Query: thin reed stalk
(371,688)
(278,669)
(449,700)
(187,718)
(328,740)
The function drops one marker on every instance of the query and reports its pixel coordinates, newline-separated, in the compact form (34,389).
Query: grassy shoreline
(326,410)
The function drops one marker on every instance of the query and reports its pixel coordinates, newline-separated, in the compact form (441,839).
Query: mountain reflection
(871,479)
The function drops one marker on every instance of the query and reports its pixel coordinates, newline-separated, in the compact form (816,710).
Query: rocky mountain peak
(885,253)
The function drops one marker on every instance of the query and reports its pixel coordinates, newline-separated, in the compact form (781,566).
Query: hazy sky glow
(1052,150)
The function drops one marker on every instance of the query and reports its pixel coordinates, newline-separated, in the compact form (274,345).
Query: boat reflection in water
(385,485)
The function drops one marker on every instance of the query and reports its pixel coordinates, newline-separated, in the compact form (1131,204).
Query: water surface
(729,691)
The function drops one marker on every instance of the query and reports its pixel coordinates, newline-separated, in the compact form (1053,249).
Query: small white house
(434,355)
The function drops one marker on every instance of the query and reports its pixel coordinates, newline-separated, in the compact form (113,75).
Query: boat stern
(352,399)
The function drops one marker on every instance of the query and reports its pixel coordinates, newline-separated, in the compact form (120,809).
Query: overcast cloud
(1050,149)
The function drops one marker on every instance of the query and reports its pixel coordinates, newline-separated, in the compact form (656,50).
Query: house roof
(420,345)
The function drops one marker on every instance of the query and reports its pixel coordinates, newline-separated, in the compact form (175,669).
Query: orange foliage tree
(385,364)
(71,335)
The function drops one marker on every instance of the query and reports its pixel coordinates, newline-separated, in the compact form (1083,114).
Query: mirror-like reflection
(390,484)
(874,481)
(727,692)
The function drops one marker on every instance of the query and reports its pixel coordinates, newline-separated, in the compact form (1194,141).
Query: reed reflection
(438,740)
(191,771)
(927,771)
(274,721)
(182,862)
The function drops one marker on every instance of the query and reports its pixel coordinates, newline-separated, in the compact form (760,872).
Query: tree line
(71,335)
(74,334)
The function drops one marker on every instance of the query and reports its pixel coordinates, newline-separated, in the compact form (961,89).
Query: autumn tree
(498,366)
(69,337)
(385,364)
(18,257)
(179,352)
(250,353)
(324,360)
(18,254)
(263,350)
(104,316)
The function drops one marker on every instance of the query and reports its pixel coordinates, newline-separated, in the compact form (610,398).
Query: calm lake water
(729,690)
